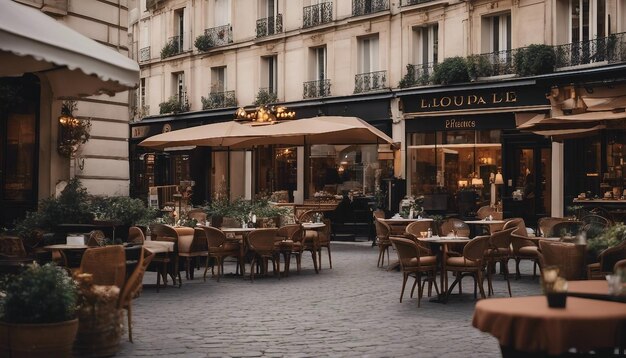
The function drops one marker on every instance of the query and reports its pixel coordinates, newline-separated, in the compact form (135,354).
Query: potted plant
(38,313)
(612,236)
(267,215)
(203,43)
(451,70)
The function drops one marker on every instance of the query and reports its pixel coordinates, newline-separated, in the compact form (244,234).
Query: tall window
(319,64)
(587,19)
(221,12)
(179,28)
(496,33)
(426,49)
(368,54)
(269,76)
(218,79)
(179,86)
(269,8)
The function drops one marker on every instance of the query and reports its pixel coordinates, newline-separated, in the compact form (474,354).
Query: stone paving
(352,310)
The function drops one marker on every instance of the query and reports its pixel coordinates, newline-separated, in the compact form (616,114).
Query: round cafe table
(527,326)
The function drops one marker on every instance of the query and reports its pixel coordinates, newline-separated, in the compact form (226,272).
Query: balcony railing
(493,63)
(371,81)
(219,100)
(605,49)
(175,45)
(364,7)
(220,35)
(269,26)
(413,2)
(316,89)
(144,54)
(317,14)
(421,73)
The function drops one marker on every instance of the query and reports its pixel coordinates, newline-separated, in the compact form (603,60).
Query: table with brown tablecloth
(527,324)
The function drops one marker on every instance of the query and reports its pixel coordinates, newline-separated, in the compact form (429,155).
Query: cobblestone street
(351,310)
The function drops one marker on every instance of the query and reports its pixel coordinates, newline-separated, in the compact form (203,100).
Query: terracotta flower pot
(37,340)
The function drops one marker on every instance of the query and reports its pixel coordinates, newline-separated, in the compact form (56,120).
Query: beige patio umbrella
(575,125)
(223,134)
(317,130)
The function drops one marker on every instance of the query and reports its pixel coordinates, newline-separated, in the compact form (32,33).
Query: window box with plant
(38,313)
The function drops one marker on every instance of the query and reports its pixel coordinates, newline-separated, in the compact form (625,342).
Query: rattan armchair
(132,287)
(106,264)
(499,250)
(607,261)
(459,228)
(523,247)
(323,240)
(136,236)
(471,263)
(219,248)
(166,262)
(414,262)
(568,257)
(546,224)
(261,242)
(289,241)
(382,240)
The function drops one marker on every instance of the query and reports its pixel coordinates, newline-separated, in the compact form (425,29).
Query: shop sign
(139,131)
(451,102)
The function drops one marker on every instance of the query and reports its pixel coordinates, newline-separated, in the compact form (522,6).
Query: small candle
(253,218)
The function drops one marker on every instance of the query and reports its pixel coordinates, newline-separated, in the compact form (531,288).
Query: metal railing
(604,49)
(413,2)
(175,45)
(317,14)
(493,63)
(315,89)
(220,35)
(144,54)
(363,7)
(421,73)
(371,81)
(269,26)
(219,100)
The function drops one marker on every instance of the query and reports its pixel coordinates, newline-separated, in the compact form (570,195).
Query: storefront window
(339,168)
(453,161)
(278,170)
(20,151)
(219,174)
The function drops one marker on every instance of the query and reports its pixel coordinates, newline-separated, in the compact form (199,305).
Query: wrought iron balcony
(420,74)
(317,14)
(315,89)
(493,63)
(220,35)
(219,100)
(609,49)
(144,54)
(269,26)
(364,7)
(371,81)
(175,45)
(413,2)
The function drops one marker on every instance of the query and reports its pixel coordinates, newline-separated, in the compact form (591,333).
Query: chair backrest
(12,246)
(519,241)
(485,211)
(417,227)
(604,213)
(135,235)
(382,229)
(612,255)
(107,265)
(132,287)
(379,214)
(96,238)
(546,224)
(185,237)
(566,227)
(214,236)
(262,240)
(596,220)
(568,257)
(475,249)
(501,239)
(308,216)
(407,250)
(198,214)
(517,223)
(456,225)
(286,231)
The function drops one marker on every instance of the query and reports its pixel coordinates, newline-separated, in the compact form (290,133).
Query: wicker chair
(499,250)
(379,214)
(457,226)
(417,227)
(290,241)
(471,263)
(261,242)
(107,265)
(608,259)
(168,262)
(132,287)
(568,257)
(219,248)
(96,238)
(413,262)
(566,227)
(323,240)
(136,236)
(191,245)
(546,224)
(382,240)
(523,247)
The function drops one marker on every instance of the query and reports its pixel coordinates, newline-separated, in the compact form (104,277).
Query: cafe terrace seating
(132,287)
(415,230)
(523,247)
(414,261)
(608,259)
(261,242)
(135,236)
(382,240)
(321,236)
(289,240)
(459,228)
(107,265)
(218,249)
(568,257)
(566,228)
(485,211)
(546,224)
(471,263)
(499,250)
(167,261)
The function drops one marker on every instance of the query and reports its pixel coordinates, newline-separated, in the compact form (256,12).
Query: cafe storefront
(463,150)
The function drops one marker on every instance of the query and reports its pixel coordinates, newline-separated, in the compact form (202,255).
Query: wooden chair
(289,242)
(132,287)
(607,261)
(136,236)
(323,240)
(190,246)
(499,250)
(168,262)
(413,262)
(219,248)
(382,240)
(568,257)
(107,264)
(471,263)
(457,226)
(261,242)
(96,238)
(546,224)
(565,228)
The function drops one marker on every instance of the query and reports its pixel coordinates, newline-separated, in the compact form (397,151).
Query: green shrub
(203,43)
(535,60)
(479,66)
(173,105)
(41,294)
(610,237)
(451,70)
(218,100)
(171,48)
(409,78)
(264,97)
(123,209)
